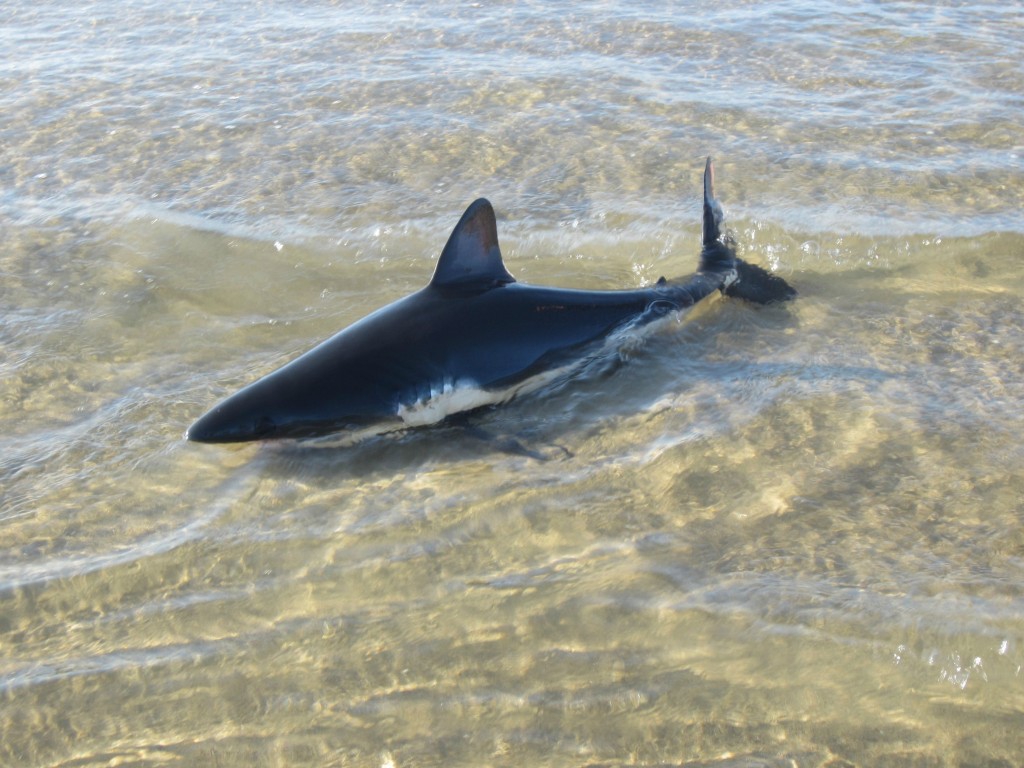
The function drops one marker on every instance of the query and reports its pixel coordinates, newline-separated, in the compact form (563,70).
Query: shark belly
(534,356)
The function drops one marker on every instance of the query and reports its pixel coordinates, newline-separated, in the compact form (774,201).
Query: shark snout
(222,426)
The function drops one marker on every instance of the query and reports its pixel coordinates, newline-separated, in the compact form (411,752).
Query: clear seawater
(776,536)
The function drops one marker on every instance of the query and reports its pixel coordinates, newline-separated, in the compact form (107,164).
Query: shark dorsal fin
(472,259)
(713,215)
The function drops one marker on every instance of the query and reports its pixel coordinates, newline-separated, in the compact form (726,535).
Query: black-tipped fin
(713,215)
(472,258)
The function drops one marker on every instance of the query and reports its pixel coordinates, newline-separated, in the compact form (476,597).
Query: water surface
(776,536)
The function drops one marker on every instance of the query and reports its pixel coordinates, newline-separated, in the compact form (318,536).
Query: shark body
(472,337)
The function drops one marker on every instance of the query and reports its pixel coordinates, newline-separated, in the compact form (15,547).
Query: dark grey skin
(473,335)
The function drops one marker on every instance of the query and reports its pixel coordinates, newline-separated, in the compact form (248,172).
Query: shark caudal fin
(713,214)
(758,285)
(752,282)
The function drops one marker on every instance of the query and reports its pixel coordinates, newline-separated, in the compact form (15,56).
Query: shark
(473,337)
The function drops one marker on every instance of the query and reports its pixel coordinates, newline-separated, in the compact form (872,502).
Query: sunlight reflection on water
(788,535)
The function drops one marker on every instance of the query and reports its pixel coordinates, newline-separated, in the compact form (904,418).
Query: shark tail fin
(712,216)
(758,285)
(752,283)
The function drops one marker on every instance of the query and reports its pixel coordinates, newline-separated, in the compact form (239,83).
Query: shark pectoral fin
(504,443)
(472,258)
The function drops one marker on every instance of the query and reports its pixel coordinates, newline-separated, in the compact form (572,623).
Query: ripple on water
(779,535)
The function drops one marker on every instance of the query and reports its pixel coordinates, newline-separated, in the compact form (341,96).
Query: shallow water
(776,536)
